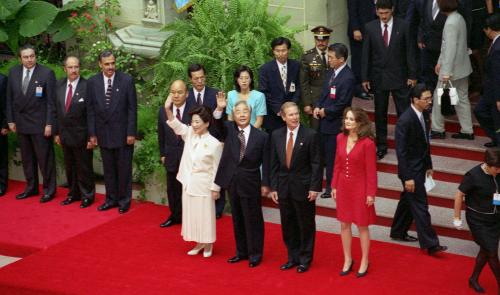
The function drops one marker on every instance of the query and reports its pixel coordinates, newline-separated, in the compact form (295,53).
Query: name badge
(292,87)
(496,199)
(333,92)
(39,91)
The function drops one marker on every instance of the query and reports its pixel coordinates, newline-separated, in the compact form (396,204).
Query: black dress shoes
(106,206)
(474,284)
(26,195)
(490,144)
(168,222)
(460,135)
(46,198)
(381,154)
(364,95)
(288,265)
(362,274)
(3,191)
(69,200)
(406,238)
(438,135)
(253,264)
(436,249)
(326,195)
(123,209)
(346,272)
(85,203)
(236,259)
(302,268)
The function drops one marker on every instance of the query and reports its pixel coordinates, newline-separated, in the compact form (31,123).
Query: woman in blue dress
(243,83)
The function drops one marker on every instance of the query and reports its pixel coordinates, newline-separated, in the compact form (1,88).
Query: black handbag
(446,108)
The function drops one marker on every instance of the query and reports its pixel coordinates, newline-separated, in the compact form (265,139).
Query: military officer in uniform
(314,65)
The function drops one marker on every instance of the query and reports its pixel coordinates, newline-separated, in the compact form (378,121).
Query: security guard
(314,65)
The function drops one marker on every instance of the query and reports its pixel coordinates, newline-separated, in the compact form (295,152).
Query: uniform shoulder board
(310,51)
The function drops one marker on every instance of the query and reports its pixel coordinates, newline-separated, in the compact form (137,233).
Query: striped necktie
(109,91)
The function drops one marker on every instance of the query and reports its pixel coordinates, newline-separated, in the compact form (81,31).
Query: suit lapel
(115,92)
(61,94)
(251,140)
(236,143)
(101,99)
(282,145)
(277,72)
(77,94)
(416,121)
(33,82)
(297,145)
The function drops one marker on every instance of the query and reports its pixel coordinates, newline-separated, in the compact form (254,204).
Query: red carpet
(26,226)
(133,255)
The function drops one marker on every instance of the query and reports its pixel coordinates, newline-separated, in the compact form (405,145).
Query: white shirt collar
(337,71)
(202,93)
(105,79)
(419,113)
(494,39)
(389,25)
(181,109)
(31,71)
(280,65)
(246,132)
(74,83)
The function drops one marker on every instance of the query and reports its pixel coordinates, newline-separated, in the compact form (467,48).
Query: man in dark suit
(360,13)
(171,147)
(245,151)
(388,67)
(414,166)
(4,130)
(487,111)
(112,119)
(31,113)
(71,133)
(279,80)
(335,97)
(200,94)
(296,177)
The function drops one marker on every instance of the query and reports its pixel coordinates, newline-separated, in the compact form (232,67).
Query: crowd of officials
(250,142)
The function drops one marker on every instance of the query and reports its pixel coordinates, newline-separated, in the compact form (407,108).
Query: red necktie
(178,115)
(386,36)
(69,97)
(289,150)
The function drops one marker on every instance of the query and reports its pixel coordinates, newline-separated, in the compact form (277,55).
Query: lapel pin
(301,144)
(36,82)
(76,94)
(117,89)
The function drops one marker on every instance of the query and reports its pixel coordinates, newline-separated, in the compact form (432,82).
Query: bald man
(171,147)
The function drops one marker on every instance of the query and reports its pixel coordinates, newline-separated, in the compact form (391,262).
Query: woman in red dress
(354,184)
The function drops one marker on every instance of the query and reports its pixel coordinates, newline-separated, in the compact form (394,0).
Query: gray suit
(455,62)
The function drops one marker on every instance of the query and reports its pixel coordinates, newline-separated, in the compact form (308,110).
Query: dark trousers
(356,49)
(38,150)
(414,206)
(117,164)
(402,102)
(429,60)
(4,164)
(220,203)
(487,115)
(174,195)
(79,172)
(299,229)
(248,225)
(329,142)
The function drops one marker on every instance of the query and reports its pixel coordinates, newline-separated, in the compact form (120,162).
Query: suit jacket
(112,124)
(72,126)
(344,84)
(305,173)
(3,101)
(388,67)
(245,175)
(199,161)
(491,86)
(171,145)
(360,13)
(209,100)
(454,57)
(30,113)
(271,85)
(412,148)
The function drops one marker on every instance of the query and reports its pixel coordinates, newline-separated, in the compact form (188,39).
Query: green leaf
(3,36)
(64,33)
(73,5)
(8,8)
(35,17)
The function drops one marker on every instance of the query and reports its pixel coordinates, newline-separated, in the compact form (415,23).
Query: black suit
(32,112)
(271,84)
(171,147)
(293,185)
(414,159)
(112,124)
(4,164)
(243,181)
(388,70)
(72,129)
(209,99)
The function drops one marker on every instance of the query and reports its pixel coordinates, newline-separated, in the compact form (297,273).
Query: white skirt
(198,218)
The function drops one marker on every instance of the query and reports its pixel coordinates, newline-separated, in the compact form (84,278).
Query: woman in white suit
(199,163)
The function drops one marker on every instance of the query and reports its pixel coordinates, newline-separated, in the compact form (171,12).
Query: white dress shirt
(202,94)
(106,81)
(181,109)
(389,29)
(73,85)
(246,133)
(295,131)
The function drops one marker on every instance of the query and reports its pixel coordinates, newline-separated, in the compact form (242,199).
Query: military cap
(321,32)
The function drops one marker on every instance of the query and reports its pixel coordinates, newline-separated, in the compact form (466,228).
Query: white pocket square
(81,100)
